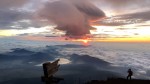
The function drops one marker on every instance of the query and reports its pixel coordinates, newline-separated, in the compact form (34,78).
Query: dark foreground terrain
(120,81)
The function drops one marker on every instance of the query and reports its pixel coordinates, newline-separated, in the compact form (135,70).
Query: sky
(105,20)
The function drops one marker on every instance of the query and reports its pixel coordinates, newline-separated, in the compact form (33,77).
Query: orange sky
(104,33)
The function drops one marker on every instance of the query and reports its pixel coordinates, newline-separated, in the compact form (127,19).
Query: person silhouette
(130,73)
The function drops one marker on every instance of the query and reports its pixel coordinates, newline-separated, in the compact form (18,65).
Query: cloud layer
(101,59)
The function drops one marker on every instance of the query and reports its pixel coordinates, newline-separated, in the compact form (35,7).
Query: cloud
(23,61)
(75,17)
(8,17)
(71,46)
(144,15)
(12,3)
(98,63)
(15,14)
(123,6)
(125,19)
(72,16)
(85,66)
(14,19)
(118,3)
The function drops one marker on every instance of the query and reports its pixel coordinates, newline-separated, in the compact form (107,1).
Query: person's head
(129,69)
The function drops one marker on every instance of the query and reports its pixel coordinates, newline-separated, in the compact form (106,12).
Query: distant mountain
(40,57)
(75,58)
(20,52)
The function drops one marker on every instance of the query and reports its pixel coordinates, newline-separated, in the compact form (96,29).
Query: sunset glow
(128,24)
(15,32)
(85,41)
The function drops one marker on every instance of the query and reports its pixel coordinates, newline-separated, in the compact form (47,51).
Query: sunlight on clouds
(64,61)
(129,34)
(110,31)
(137,39)
(144,31)
(8,32)
(128,30)
(14,32)
(110,14)
(101,29)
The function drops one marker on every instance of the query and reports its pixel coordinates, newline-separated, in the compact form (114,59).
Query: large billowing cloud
(72,16)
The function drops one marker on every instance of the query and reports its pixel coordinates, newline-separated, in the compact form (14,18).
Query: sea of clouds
(21,61)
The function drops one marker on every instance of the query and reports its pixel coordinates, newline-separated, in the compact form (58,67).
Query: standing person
(130,73)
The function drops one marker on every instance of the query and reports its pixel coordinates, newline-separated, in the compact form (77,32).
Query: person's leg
(127,77)
(130,77)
